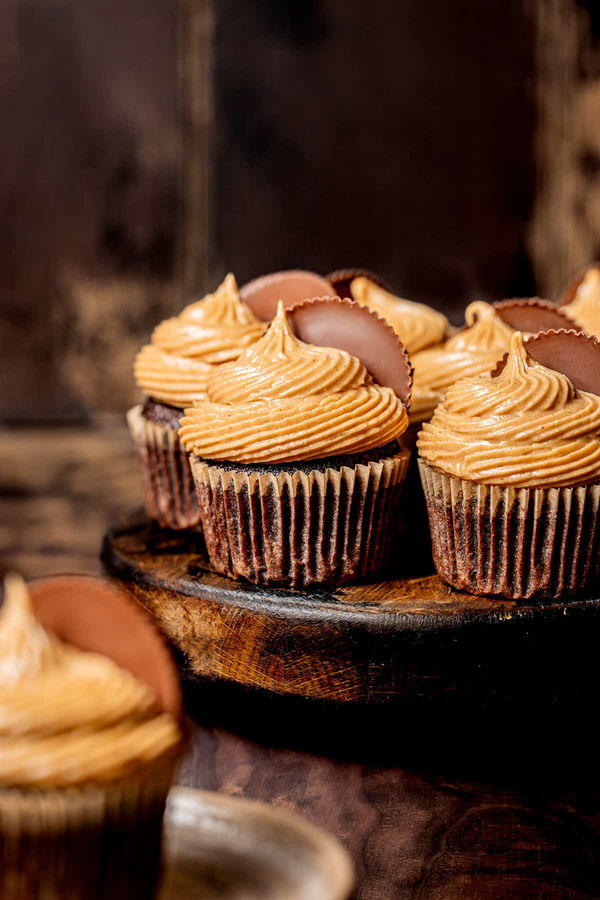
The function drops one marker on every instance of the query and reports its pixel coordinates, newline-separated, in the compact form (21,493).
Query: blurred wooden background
(149,145)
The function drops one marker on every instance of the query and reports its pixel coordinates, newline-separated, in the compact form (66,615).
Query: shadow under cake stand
(370,642)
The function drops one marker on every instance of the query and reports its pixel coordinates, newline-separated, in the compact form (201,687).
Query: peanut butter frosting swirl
(584,309)
(175,367)
(283,400)
(472,351)
(418,326)
(527,427)
(68,716)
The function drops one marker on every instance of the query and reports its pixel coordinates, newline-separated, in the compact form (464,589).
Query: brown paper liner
(298,528)
(169,493)
(520,543)
(95,841)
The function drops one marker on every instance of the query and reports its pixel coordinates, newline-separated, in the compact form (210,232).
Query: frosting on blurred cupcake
(474,350)
(584,308)
(66,716)
(176,366)
(418,326)
(284,400)
(526,427)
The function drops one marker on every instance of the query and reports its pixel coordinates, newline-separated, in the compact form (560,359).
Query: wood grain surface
(370,642)
(445,800)
(565,221)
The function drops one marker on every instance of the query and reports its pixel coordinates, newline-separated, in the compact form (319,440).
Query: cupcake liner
(515,542)
(169,493)
(94,842)
(297,528)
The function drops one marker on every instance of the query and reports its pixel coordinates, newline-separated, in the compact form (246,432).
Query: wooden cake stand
(372,642)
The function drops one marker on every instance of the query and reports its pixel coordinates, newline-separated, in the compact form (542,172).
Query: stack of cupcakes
(295,442)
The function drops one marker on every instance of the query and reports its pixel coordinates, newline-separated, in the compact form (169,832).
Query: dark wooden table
(457,799)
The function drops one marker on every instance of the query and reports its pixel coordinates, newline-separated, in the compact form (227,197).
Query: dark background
(148,146)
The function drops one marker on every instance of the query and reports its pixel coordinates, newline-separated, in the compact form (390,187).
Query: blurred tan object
(565,227)
(104,323)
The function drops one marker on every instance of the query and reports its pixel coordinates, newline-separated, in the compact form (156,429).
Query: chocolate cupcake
(418,326)
(88,745)
(581,300)
(295,451)
(173,371)
(510,465)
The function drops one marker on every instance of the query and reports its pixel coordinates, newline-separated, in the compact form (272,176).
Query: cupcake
(510,465)
(87,746)
(173,371)
(418,326)
(291,287)
(295,451)
(581,300)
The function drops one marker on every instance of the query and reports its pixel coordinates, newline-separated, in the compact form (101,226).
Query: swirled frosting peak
(284,400)
(584,309)
(418,326)
(527,427)
(175,367)
(472,351)
(68,716)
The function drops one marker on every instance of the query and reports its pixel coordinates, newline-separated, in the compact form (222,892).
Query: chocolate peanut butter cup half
(290,286)
(570,292)
(341,280)
(572,353)
(96,616)
(345,325)
(581,300)
(532,314)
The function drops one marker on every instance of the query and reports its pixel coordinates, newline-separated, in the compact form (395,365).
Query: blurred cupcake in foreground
(418,326)
(87,747)
(581,300)
(295,451)
(510,466)
(173,371)
(475,349)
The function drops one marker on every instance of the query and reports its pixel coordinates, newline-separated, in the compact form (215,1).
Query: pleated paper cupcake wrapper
(520,543)
(169,492)
(299,528)
(84,843)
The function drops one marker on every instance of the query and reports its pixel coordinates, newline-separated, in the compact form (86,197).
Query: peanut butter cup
(532,314)
(335,322)
(581,300)
(341,280)
(290,286)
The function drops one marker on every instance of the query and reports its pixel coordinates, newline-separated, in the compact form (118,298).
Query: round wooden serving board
(369,642)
